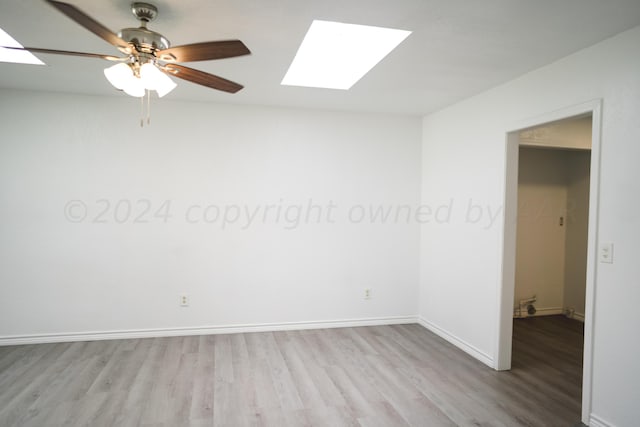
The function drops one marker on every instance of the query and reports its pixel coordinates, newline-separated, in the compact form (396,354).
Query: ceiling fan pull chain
(142,112)
(148,107)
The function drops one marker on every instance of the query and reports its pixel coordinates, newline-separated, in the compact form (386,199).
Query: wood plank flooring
(369,376)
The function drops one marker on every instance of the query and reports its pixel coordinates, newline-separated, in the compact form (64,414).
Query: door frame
(507,286)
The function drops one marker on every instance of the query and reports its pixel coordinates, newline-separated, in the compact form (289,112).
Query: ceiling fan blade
(201,78)
(204,51)
(66,52)
(91,24)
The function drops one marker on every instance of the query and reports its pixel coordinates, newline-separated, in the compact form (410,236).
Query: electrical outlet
(184,300)
(367,293)
(606,253)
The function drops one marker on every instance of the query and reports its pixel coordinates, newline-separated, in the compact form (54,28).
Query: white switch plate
(606,253)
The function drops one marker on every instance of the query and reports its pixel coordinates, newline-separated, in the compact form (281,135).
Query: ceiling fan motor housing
(144,39)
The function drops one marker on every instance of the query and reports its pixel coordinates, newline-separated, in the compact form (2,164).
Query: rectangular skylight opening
(16,56)
(335,55)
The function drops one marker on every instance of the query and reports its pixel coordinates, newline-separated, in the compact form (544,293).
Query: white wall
(464,160)
(551,259)
(577,226)
(540,249)
(553,182)
(59,153)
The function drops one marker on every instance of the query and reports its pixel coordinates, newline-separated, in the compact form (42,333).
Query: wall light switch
(606,253)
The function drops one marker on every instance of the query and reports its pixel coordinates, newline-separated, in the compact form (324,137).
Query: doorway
(507,290)
(552,224)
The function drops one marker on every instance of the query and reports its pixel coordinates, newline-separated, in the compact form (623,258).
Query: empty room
(295,213)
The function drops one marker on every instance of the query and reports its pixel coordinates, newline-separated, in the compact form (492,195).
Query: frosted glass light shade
(119,75)
(167,86)
(135,87)
(154,79)
(122,77)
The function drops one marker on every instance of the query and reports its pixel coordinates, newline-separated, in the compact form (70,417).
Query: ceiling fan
(148,56)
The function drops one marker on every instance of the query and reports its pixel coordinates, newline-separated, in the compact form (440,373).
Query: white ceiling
(458,47)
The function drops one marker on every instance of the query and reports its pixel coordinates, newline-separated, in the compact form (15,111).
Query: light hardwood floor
(369,376)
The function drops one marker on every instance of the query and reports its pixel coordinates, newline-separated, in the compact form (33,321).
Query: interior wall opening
(551,257)
(544,299)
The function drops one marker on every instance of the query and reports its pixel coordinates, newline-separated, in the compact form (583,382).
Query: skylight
(334,55)
(17,56)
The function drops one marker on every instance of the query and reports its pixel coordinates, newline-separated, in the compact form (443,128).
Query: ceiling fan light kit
(135,79)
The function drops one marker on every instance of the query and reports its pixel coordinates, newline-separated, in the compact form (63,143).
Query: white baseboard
(461,344)
(202,330)
(595,421)
(552,311)
(578,316)
(549,311)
